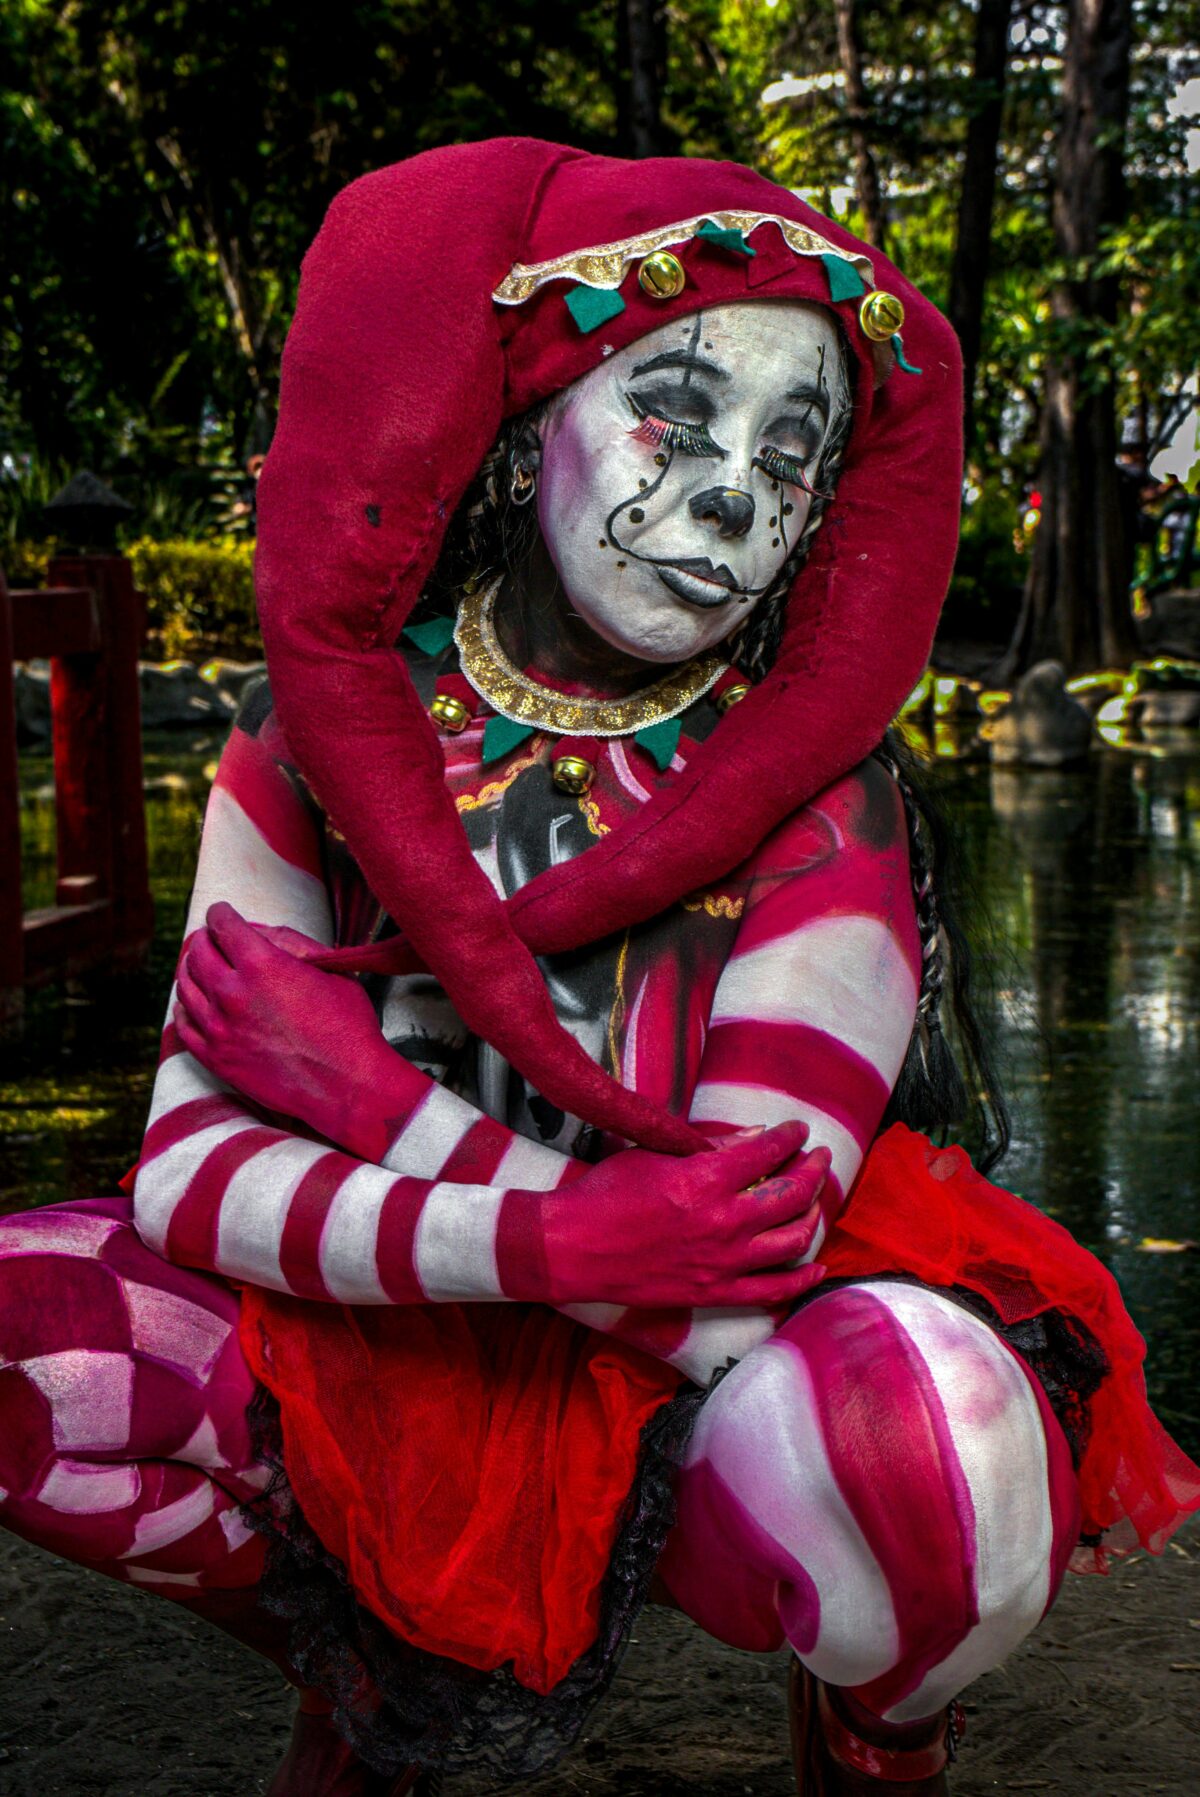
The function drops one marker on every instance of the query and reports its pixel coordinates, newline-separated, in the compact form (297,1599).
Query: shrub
(25,562)
(199,597)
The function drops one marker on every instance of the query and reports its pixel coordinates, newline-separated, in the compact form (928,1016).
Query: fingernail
(739,1135)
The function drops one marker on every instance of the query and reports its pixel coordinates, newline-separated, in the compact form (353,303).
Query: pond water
(1085,918)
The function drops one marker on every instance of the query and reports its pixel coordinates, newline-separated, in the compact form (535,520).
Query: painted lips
(698,583)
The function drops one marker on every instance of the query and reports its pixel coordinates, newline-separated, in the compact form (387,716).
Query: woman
(461,1252)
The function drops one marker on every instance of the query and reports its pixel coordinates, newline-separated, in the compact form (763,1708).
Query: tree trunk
(640,33)
(1076,604)
(977,195)
(211,223)
(858,114)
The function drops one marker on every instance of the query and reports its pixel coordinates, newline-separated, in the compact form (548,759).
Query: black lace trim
(399,1706)
(1062,1354)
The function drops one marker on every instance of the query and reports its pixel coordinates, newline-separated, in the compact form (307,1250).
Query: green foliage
(25,490)
(26,562)
(985,592)
(166,162)
(199,597)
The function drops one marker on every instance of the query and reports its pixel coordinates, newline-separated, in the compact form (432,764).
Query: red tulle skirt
(469,1464)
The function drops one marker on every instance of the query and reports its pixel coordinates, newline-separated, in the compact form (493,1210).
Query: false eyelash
(785,467)
(665,433)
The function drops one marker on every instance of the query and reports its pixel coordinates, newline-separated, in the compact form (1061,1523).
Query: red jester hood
(455,290)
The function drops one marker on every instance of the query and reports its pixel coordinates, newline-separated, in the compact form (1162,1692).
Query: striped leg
(883,1485)
(123,1394)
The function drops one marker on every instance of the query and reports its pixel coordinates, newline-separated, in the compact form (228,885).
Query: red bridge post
(95,706)
(88,621)
(12,954)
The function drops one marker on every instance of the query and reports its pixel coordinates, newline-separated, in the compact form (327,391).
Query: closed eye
(672,433)
(783,467)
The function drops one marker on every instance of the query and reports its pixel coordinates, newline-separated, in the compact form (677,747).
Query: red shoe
(318,1763)
(832,1761)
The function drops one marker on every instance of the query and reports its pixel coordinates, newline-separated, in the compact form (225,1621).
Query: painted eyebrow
(682,358)
(811,393)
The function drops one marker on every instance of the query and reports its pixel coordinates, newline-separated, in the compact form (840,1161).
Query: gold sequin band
(605,264)
(514,695)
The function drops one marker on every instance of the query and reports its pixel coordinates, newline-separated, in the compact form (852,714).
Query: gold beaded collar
(514,695)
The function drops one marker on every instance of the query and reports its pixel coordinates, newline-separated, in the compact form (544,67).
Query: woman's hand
(288,1036)
(712,1229)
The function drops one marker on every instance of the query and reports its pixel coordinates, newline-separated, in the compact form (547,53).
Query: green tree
(168,161)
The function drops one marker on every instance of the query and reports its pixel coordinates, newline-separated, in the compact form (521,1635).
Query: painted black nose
(731,510)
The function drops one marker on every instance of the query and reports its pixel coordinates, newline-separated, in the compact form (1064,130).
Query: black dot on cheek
(622,564)
(636,515)
(660,461)
(774,542)
(604,542)
(643,483)
(373,516)
(788,510)
(773,522)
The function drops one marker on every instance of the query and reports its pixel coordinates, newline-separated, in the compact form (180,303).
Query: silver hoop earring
(523,485)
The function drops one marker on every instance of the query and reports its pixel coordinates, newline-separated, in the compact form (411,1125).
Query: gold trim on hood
(605,265)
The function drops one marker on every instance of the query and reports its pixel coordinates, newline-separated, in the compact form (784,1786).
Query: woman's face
(675,477)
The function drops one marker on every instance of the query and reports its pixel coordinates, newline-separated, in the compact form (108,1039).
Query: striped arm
(811,1018)
(815,1008)
(224,1187)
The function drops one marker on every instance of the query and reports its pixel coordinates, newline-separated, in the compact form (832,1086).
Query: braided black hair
(931,1092)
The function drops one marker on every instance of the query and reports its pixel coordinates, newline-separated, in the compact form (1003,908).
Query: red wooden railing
(88,621)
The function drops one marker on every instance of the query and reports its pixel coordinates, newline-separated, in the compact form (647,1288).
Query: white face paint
(673,478)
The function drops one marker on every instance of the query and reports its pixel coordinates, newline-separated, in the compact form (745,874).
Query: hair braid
(931,1092)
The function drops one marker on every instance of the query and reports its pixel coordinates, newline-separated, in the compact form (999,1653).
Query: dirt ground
(109,1693)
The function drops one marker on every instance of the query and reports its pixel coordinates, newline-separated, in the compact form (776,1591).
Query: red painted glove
(290,1037)
(655,1230)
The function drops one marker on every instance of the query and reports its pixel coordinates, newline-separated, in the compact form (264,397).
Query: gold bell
(571,773)
(881,315)
(661,275)
(450,713)
(730,697)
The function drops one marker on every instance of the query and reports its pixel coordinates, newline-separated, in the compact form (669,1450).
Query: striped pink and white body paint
(884,1486)
(221,1186)
(123,1392)
(879,1481)
(450,1210)
(811,1018)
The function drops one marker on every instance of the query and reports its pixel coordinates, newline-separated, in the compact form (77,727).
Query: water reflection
(1086,920)
(1086,926)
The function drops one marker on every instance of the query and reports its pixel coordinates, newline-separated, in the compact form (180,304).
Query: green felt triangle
(734,241)
(500,735)
(591,307)
(661,741)
(898,346)
(845,282)
(433,637)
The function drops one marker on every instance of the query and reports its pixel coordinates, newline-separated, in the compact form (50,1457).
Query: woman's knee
(915,1491)
(108,1355)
